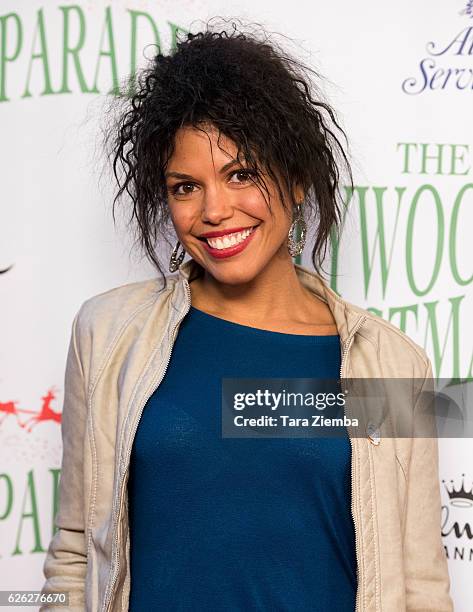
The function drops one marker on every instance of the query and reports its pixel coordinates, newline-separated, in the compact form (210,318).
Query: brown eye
(175,188)
(246,174)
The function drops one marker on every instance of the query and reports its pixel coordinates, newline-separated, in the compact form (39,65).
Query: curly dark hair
(253,92)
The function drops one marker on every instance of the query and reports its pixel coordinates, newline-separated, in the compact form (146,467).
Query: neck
(275,294)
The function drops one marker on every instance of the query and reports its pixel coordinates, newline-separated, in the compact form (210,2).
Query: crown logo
(459,497)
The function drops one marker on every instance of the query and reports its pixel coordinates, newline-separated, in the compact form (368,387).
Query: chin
(234,274)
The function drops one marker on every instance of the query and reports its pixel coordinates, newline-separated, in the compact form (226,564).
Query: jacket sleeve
(66,559)
(425,562)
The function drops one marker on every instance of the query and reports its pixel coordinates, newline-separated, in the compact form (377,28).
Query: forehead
(204,141)
(203,149)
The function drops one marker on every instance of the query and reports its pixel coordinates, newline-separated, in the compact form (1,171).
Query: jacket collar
(346,315)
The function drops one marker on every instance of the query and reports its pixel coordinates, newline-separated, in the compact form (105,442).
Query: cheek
(276,219)
(181,216)
(257,206)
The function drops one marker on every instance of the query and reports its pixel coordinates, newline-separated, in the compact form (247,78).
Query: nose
(216,207)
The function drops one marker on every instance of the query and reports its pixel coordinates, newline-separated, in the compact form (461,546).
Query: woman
(225,139)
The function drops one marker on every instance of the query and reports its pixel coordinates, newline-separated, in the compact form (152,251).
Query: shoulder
(391,343)
(103,318)
(119,303)
(393,347)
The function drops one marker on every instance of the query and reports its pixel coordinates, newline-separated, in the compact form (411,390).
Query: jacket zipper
(109,598)
(345,350)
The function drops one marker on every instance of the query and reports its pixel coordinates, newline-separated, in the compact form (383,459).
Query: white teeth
(229,240)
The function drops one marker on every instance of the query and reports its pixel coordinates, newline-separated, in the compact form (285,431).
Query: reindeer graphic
(46,413)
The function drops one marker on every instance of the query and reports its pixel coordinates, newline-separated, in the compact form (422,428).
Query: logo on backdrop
(468,10)
(447,64)
(457,519)
(10,409)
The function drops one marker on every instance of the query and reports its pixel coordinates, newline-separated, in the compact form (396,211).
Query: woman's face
(217,196)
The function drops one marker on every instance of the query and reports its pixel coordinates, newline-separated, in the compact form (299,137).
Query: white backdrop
(402,82)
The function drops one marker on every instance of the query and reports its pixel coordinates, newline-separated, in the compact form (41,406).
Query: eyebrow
(179,175)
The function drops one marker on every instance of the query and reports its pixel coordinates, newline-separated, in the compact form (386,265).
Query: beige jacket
(120,347)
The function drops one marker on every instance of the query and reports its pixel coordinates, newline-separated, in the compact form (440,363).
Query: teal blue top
(230,523)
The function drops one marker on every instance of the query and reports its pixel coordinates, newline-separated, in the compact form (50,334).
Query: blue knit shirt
(231,524)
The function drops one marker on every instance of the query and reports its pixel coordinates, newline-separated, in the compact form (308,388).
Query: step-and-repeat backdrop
(401,78)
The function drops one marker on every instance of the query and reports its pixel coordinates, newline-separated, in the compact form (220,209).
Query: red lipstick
(232,250)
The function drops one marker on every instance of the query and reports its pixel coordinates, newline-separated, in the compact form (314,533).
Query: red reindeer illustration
(46,413)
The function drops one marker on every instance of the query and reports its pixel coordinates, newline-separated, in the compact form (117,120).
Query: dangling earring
(176,259)
(295,247)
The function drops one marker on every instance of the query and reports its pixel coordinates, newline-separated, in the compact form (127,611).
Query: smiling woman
(229,135)
(227,148)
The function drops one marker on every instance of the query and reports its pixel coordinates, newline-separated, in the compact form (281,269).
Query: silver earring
(294,246)
(176,259)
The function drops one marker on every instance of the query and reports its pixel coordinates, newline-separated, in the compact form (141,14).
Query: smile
(230,244)
(229,240)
